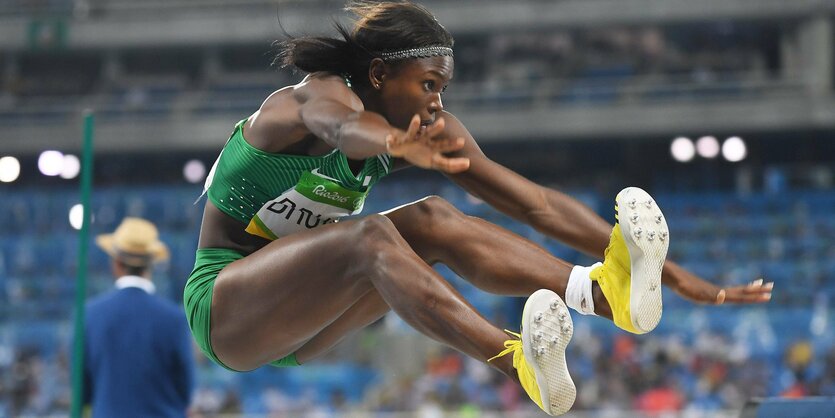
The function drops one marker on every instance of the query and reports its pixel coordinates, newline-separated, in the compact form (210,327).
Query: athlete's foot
(630,276)
(539,356)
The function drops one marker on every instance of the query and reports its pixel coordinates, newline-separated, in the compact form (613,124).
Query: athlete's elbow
(353,146)
(545,219)
(351,150)
(537,220)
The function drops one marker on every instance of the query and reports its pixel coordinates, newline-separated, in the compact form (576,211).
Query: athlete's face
(415,87)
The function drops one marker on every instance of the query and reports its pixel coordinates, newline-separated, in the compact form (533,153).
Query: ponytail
(318,53)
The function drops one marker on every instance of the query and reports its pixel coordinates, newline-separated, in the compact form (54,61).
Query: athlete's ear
(377,73)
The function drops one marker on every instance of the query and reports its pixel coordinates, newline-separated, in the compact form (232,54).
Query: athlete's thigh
(424,224)
(367,310)
(272,301)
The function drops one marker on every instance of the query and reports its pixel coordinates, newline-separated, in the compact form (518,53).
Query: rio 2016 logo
(335,196)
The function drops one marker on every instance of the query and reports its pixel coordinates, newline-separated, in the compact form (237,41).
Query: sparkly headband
(424,52)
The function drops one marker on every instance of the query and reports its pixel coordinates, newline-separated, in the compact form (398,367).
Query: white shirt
(136,281)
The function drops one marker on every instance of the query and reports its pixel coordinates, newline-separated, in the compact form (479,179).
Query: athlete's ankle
(601,305)
(509,369)
(578,290)
(504,364)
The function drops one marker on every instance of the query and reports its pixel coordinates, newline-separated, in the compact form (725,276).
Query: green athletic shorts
(197,298)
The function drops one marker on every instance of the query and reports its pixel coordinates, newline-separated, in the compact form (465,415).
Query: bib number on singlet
(316,200)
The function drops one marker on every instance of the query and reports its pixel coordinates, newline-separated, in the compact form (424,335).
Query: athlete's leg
(492,258)
(366,311)
(270,303)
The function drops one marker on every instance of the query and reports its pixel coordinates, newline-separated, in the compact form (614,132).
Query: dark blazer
(138,359)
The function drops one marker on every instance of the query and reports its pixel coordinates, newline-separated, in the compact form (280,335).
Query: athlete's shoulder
(326,86)
(450,119)
(453,127)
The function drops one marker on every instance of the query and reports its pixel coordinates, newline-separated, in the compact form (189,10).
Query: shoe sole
(645,231)
(556,389)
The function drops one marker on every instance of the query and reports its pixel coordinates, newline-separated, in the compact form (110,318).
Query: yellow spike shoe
(539,352)
(630,276)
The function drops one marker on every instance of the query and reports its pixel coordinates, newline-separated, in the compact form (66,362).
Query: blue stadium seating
(726,238)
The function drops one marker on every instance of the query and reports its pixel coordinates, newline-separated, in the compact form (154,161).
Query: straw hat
(135,242)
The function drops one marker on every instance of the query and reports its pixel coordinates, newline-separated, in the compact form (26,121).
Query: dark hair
(380,27)
(133,270)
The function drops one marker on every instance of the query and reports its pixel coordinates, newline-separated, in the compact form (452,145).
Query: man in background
(138,358)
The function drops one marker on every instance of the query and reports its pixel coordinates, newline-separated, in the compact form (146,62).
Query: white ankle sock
(578,292)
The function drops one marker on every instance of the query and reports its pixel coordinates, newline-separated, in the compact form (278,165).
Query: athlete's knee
(375,234)
(374,230)
(434,210)
(381,247)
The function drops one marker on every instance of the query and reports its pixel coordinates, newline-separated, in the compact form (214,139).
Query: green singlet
(278,194)
(273,195)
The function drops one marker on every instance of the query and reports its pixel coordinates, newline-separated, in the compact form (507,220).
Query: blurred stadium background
(724,109)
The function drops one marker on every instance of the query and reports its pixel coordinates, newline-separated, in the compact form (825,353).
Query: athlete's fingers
(753,292)
(414,126)
(447,145)
(741,297)
(758,288)
(720,297)
(744,294)
(435,128)
(411,132)
(744,298)
(450,165)
(391,146)
(395,148)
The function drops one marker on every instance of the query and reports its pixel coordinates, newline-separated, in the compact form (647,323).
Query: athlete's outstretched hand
(698,290)
(420,147)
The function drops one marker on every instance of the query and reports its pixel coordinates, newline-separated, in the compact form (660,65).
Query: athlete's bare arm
(562,217)
(320,107)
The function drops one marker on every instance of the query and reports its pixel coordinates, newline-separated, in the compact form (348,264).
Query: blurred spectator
(137,348)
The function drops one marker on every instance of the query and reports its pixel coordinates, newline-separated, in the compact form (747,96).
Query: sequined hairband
(424,52)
